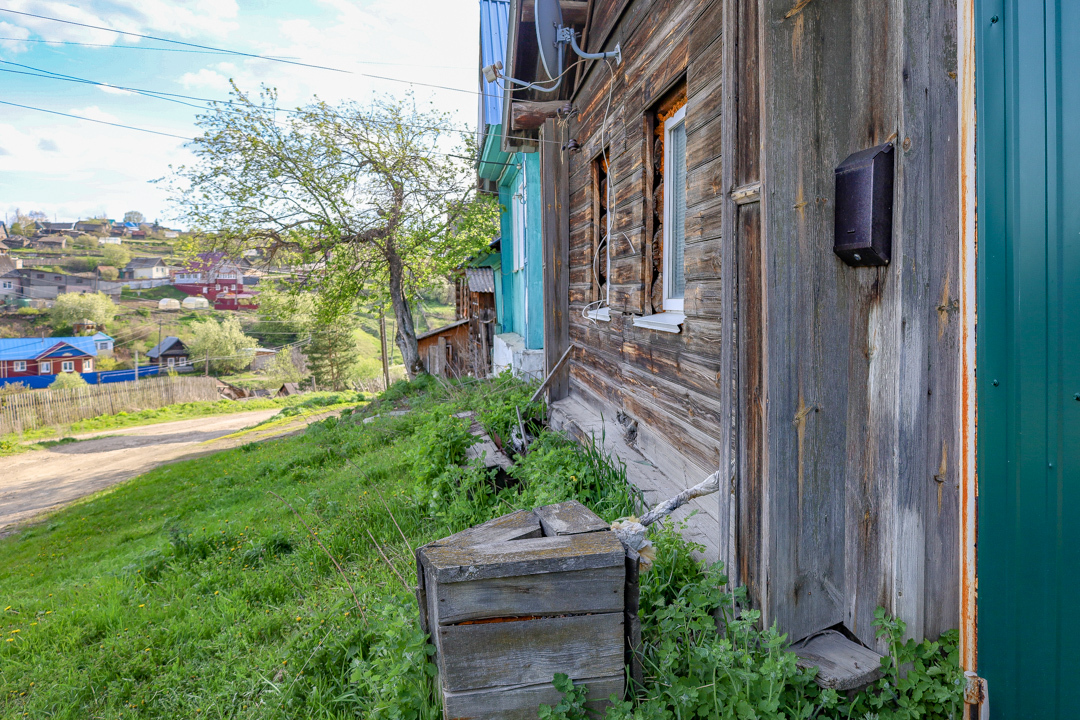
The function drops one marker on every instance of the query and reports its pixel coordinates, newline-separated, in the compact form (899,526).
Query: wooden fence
(43,408)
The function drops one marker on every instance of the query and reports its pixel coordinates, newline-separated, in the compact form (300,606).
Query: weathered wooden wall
(861,364)
(829,393)
(670,383)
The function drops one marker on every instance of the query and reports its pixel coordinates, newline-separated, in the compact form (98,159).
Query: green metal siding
(1028,354)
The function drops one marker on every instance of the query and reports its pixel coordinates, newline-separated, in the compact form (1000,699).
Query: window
(172,362)
(20,366)
(88,365)
(40,276)
(519,219)
(674,210)
(103,346)
(7,285)
(45,368)
(67,366)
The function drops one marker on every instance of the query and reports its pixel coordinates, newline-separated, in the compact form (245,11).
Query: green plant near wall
(743,672)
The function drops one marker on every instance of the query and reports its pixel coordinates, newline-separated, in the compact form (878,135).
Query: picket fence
(45,408)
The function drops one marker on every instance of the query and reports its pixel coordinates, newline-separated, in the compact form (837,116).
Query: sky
(71,168)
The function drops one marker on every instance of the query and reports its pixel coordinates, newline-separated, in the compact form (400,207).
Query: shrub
(65,381)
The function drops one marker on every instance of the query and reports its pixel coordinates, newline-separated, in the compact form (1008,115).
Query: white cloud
(47,145)
(216,18)
(8,30)
(109,89)
(94,113)
(205,78)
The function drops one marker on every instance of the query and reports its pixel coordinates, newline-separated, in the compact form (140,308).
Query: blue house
(515,178)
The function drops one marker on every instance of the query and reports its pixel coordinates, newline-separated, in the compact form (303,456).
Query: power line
(175,42)
(101,122)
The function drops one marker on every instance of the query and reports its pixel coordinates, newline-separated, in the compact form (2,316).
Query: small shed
(445,351)
(86,326)
(289,388)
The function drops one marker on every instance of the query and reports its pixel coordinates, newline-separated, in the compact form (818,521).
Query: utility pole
(382,340)
(136,366)
(206,370)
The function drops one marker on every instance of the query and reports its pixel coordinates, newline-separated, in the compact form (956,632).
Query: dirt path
(40,481)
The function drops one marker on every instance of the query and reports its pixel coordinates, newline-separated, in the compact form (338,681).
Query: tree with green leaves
(66,381)
(282,369)
(332,354)
(134,216)
(224,343)
(70,308)
(116,256)
(374,201)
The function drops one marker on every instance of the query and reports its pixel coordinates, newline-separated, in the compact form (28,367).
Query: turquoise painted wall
(523,290)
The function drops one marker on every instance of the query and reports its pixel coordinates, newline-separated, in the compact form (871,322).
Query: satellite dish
(548,20)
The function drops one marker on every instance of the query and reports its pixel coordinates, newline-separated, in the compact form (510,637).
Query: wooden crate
(514,601)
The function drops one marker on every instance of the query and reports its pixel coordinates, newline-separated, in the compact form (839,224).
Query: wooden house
(30,357)
(695,221)
(445,351)
(515,178)
(171,353)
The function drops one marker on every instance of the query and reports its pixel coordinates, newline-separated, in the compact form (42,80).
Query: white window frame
(67,366)
(519,218)
(45,368)
(171,361)
(679,118)
(8,285)
(88,365)
(19,366)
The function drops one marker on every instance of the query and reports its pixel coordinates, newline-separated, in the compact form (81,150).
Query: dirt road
(43,480)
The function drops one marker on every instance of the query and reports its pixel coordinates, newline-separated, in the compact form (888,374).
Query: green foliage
(109,273)
(115,255)
(67,381)
(282,369)
(134,216)
(224,342)
(572,705)
(70,308)
(332,353)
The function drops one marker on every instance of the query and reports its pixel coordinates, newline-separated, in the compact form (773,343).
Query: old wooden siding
(862,364)
(671,384)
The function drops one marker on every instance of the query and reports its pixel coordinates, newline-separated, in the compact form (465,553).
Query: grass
(158,293)
(34,439)
(193,591)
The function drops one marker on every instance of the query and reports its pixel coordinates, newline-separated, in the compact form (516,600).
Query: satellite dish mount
(552,37)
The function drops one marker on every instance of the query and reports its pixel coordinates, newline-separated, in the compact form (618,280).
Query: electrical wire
(175,42)
(100,122)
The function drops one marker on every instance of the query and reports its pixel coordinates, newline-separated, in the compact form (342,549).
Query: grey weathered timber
(530,651)
(569,518)
(597,590)
(514,526)
(841,663)
(529,556)
(556,265)
(521,703)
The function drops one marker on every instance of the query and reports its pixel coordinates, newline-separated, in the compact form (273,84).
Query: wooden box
(514,601)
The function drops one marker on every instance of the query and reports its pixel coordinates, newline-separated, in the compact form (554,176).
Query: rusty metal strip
(968,312)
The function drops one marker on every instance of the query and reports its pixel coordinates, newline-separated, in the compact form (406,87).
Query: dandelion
(143,605)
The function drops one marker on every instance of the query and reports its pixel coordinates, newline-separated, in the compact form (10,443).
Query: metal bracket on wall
(976,698)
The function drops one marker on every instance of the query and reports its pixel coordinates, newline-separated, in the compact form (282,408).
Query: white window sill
(664,322)
(603,314)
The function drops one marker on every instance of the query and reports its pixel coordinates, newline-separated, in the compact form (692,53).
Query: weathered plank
(556,230)
(596,590)
(530,651)
(530,556)
(841,663)
(569,518)
(521,703)
(517,525)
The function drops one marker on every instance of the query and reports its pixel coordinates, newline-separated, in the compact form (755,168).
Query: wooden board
(530,651)
(569,518)
(596,590)
(841,663)
(532,556)
(521,703)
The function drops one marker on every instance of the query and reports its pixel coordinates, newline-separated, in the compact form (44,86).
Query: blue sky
(70,168)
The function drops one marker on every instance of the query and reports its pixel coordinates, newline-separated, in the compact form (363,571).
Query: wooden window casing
(45,368)
(674,245)
(601,258)
(67,366)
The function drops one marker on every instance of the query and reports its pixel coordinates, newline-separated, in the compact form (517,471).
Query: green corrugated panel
(1028,372)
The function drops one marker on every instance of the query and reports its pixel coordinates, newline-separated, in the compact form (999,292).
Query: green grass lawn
(208,588)
(158,293)
(15,443)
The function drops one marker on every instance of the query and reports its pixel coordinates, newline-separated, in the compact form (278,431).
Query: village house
(49,242)
(30,357)
(227,283)
(42,283)
(171,353)
(145,268)
(10,280)
(758,242)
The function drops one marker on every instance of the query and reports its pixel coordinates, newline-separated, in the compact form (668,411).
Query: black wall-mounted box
(862,234)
